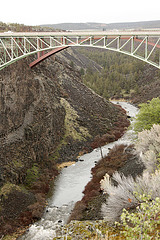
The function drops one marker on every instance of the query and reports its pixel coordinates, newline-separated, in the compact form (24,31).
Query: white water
(69,187)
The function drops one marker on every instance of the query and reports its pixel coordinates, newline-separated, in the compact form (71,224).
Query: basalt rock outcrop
(47,116)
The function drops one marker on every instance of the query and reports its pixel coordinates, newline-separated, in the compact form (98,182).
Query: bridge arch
(141,45)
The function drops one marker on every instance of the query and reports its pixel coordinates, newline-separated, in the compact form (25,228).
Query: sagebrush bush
(148,147)
(119,195)
(121,190)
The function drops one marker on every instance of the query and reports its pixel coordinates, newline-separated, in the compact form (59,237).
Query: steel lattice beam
(141,45)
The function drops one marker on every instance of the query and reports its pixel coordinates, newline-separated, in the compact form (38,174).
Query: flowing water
(69,187)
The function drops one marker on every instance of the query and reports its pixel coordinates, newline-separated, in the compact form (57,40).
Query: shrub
(32,175)
(121,192)
(143,223)
(148,115)
(118,195)
(148,146)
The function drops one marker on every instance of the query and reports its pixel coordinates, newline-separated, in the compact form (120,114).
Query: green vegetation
(11,237)
(8,188)
(73,129)
(135,203)
(18,163)
(119,75)
(32,175)
(88,230)
(16,27)
(148,115)
(144,223)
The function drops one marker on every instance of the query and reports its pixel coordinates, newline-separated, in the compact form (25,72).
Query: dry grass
(65,164)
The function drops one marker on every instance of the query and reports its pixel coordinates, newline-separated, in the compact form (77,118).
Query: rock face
(29,128)
(47,115)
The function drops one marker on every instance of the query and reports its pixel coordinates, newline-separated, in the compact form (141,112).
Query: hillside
(104,26)
(48,116)
(16,27)
(121,77)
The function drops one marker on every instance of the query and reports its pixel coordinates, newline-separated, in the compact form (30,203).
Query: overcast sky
(36,12)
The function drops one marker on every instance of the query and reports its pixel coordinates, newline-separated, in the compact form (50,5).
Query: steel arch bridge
(143,45)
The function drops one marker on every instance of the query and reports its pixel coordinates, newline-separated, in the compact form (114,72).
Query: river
(69,187)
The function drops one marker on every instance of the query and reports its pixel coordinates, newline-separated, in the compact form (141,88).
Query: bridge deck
(82,33)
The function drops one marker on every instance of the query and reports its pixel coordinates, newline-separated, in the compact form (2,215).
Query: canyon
(48,116)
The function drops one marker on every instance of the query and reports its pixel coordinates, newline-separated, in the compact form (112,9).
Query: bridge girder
(141,45)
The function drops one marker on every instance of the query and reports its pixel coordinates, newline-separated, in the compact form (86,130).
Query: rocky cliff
(47,116)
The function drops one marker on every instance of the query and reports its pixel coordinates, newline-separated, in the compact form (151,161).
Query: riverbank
(120,158)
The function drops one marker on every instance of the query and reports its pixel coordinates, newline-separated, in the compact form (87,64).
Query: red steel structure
(46,55)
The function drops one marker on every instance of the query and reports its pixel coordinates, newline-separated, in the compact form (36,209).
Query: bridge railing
(143,46)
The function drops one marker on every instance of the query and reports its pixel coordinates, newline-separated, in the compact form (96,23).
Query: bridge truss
(141,45)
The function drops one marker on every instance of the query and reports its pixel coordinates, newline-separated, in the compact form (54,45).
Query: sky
(37,12)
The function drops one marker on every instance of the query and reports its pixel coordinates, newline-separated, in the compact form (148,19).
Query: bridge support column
(40,45)
(64,40)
